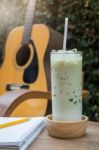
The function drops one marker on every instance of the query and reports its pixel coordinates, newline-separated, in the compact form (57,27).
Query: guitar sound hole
(23,56)
(31,72)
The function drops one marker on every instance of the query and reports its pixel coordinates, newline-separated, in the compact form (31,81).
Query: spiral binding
(31,135)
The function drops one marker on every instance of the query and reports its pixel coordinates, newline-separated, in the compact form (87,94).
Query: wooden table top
(88,142)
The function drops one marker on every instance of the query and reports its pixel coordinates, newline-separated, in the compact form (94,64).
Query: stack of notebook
(21,135)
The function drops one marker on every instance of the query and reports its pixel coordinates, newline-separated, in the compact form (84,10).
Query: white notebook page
(13,135)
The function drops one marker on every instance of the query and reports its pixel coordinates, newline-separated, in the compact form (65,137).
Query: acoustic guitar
(27,64)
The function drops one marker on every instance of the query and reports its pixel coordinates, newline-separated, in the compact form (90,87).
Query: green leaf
(96,72)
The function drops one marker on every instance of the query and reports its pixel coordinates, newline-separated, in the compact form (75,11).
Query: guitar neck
(29,22)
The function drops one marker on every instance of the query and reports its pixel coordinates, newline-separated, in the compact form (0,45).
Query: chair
(10,100)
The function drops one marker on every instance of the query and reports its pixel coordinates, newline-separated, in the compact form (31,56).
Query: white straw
(65,34)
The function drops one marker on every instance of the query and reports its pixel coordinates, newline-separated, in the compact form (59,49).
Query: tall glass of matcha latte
(66,82)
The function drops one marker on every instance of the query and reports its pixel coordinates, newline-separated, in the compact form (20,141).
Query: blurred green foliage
(83,33)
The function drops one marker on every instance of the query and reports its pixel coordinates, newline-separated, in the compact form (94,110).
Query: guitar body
(10,72)
(27,62)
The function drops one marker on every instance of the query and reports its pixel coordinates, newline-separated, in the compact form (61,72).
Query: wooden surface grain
(88,142)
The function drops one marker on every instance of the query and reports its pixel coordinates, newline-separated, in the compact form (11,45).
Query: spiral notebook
(20,136)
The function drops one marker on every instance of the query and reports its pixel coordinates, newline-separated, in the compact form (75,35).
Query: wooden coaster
(61,129)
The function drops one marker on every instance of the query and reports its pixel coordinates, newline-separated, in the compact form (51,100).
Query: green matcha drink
(66,81)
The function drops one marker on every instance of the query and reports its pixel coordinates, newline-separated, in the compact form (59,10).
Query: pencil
(15,122)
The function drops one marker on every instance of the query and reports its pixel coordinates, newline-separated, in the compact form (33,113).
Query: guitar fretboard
(29,22)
